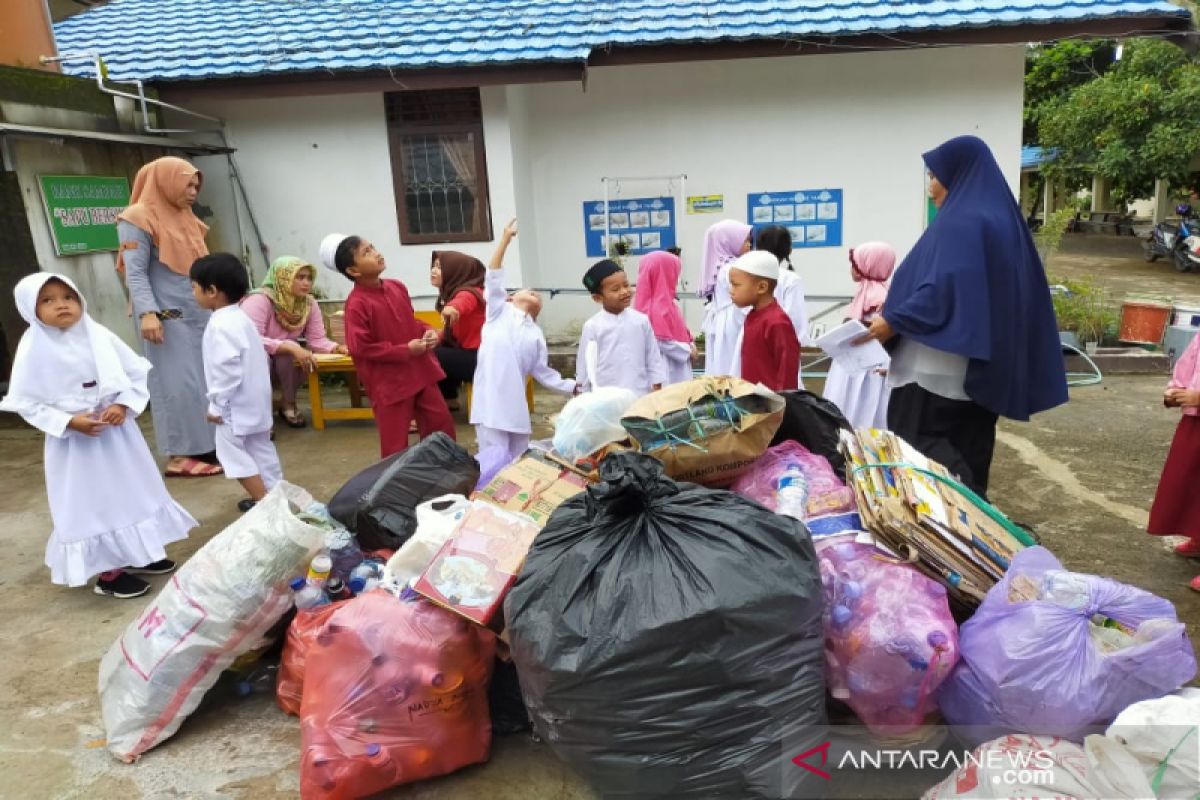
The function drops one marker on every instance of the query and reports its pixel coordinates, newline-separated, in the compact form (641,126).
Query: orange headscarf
(158,207)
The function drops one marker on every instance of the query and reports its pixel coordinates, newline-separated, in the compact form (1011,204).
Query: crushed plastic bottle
(261,680)
(791,495)
(344,553)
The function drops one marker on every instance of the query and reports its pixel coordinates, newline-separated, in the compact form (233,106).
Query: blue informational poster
(812,216)
(643,224)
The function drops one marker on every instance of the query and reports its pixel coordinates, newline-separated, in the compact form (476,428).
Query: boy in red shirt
(770,351)
(391,348)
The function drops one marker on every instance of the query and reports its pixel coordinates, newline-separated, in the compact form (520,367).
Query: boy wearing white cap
(391,348)
(770,351)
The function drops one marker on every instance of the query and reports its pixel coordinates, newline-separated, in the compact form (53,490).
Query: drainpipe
(144,102)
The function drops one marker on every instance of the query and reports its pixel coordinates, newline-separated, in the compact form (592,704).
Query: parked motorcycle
(1180,243)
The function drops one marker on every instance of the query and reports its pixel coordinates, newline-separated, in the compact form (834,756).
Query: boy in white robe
(512,349)
(617,347)
(238,373)
(73,379)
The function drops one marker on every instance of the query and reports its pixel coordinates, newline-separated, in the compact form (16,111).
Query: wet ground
(1082,475)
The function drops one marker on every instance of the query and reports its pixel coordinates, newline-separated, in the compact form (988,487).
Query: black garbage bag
(379,504)
(668,639)
(505,703)
(814,422)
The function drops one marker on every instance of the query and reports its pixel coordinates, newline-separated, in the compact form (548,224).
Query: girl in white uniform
(511,350)
(658,278)
(723,321)
(863,396)
(76,381)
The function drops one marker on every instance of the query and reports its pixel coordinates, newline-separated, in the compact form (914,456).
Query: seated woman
(458,278)
(283,310)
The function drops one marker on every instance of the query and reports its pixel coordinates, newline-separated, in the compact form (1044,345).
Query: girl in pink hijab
(658,277)
(723,321)
(863,396)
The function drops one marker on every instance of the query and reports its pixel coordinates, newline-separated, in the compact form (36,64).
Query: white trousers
(514,443)
(247,456)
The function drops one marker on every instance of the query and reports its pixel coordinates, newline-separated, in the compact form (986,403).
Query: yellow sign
(706,204)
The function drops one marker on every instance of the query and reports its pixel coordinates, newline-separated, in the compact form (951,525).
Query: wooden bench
(327,364)
(1114,222)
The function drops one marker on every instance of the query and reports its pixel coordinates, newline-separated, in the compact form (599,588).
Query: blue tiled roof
(190,39)
(1034,157)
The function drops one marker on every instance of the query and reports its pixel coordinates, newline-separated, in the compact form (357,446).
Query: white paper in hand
(838,344)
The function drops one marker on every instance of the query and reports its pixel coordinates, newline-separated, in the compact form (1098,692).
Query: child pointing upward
(512,349)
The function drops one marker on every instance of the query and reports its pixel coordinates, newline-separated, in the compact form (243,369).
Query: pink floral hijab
(722,244)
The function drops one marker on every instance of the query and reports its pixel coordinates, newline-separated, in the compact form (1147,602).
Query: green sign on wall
(82,211)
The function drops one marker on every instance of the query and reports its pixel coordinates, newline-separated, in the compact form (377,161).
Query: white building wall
(858,122)
(316,165)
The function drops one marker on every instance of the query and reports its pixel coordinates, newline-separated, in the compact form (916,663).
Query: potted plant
(1084,310)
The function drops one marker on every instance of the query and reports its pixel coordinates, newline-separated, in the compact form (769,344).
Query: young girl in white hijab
(75,380)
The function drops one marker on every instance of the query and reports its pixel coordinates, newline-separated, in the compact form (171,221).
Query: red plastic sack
(395,691)
(301,634)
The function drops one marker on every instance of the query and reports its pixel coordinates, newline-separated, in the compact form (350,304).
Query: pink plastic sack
(395,691)
(889,638)
(826,494)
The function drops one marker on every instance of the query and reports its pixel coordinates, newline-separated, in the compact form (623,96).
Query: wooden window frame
(398,129)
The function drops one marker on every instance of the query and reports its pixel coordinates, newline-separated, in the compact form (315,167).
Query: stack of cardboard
(534,485)
(965,546)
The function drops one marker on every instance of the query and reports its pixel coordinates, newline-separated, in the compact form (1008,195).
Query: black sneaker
(160,567)
(124,586)
(246,504)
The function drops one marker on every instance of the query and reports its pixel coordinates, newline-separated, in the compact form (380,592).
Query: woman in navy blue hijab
(970,312)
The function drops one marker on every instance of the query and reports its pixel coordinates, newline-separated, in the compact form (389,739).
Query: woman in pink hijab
(658,277)
(863,396)
(723,321)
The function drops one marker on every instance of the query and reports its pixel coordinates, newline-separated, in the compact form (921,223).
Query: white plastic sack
(436,520)
(590,421)
(216,607)
(1025,766)
(1164,734)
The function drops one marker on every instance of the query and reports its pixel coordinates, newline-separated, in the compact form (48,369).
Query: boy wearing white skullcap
(392,349)
(770,351)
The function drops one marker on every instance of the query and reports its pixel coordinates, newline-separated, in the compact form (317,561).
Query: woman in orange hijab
(160,238)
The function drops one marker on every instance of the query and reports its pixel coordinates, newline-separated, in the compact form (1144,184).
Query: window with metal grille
(438,166)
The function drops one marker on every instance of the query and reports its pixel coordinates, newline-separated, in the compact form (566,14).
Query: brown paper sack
(707,430)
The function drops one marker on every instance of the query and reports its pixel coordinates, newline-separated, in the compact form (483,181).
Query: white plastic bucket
(1186,317)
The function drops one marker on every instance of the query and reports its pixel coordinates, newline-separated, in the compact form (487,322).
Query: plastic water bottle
(259,681)
(791,493)
(357,584)
(344,553)
(307,595)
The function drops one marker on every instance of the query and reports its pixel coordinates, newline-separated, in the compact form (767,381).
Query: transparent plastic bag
(395,691)
(590,421)
(1033,665)
(289,687)
(216,607)
(436,520)
(890,640)
(826,493)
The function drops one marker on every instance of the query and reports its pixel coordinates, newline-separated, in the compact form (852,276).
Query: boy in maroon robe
(770,352)
(391,348)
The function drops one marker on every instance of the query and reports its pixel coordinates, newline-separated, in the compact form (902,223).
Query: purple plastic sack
(1075,657)
(826,494)
(889,638)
